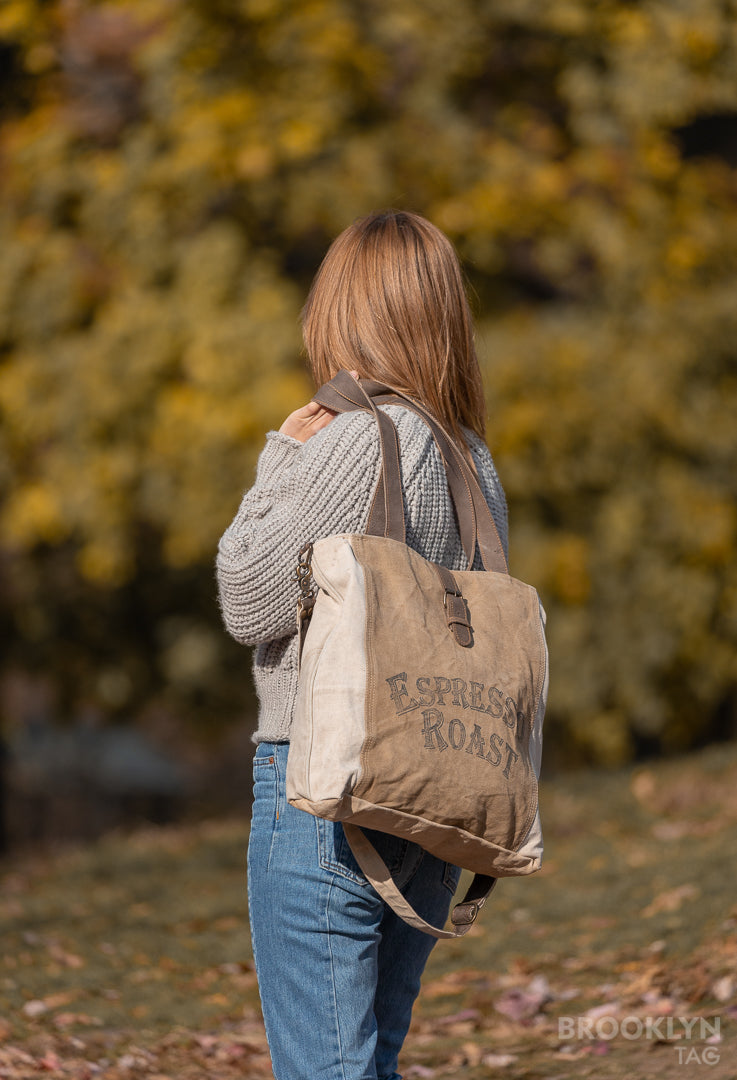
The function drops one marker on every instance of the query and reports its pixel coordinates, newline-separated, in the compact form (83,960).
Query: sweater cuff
(279,453)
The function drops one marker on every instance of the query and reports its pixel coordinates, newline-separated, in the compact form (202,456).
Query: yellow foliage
(162,212)
(630,27)
(104,564)
(569,570)
(605,738)
(15,16)
(31,514)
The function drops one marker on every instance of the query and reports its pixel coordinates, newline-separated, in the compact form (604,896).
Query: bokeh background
(171,173)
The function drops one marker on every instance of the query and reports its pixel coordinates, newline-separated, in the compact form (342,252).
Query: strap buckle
(456,615)
(464,914)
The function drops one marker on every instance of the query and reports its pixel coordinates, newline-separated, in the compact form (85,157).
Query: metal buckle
(467,913)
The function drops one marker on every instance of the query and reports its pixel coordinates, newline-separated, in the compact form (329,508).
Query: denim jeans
(338,971)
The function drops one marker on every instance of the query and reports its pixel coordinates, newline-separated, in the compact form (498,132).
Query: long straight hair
(389,302)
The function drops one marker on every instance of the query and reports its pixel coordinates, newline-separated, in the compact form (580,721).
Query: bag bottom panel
(449,843)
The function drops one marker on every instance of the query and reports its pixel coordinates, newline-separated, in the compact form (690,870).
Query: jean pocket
(264,760)
(336,855)
(266,800)
(451,877)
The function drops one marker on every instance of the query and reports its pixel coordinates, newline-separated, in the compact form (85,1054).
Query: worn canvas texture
(400,728)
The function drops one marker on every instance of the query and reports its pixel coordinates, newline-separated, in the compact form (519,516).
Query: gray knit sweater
(305,491)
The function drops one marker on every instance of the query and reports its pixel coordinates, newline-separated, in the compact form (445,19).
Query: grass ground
(131,958)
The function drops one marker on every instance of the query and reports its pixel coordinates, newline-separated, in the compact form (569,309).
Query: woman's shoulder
(354,435)
(481,454)
(412,427)
(349,432)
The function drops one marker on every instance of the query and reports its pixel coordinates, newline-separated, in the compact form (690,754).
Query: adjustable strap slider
(456,613)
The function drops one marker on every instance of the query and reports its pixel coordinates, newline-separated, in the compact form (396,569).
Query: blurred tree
(171,174)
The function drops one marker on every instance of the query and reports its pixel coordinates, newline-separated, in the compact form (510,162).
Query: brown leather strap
(386,516)
(475,521)
(377,873)
(453,461)
(460,493)
(343,394)
(487,534)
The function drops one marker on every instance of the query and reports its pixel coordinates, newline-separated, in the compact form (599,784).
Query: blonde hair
(389,302)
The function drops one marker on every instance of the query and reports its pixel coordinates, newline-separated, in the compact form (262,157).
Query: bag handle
(386,518)
(378,874)
(487,534)
(345,394)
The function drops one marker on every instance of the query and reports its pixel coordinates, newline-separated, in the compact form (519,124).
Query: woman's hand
(304,422)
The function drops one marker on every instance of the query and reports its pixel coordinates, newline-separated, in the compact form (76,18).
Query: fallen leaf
(598,1049)
(520,1005)
(50,1062)
(724,988)
(217,999)
(459,1017)
(35,1008)
(608,1009)
(68,1019)
(54,1001)
(670,900)
(643,785)
(67,959)
(206,1042)
(472,1054)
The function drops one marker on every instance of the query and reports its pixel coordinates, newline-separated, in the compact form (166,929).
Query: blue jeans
(338,971)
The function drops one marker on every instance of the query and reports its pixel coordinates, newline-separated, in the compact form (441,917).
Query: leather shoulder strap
(377,873)
(344,394)
(485,530)
(475,522)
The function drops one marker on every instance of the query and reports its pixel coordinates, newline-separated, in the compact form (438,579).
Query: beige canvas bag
(421,691)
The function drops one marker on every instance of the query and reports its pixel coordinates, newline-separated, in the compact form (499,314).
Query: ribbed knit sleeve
(303,492)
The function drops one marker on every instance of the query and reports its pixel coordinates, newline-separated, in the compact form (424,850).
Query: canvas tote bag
(422,691)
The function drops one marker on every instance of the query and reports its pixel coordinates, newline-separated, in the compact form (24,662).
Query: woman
(338,971)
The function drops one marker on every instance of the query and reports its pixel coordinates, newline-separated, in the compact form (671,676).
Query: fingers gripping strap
(377,873)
